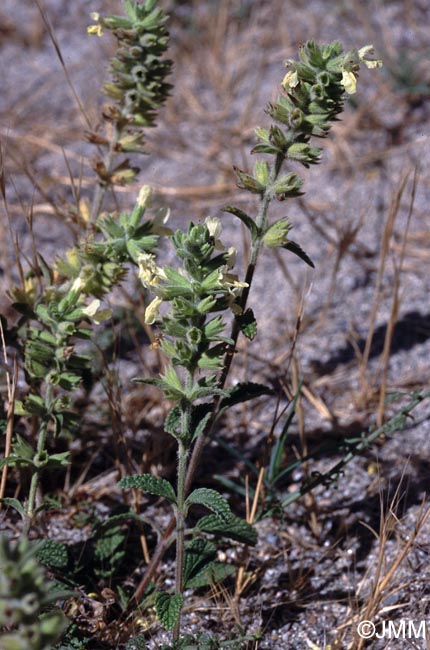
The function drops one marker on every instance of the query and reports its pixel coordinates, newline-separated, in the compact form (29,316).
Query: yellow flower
(349,78)
(231,282)
(95,314)
(95,29)
(290,80)
(144,197)
(349,81)
(370,63)
(151,312)
(149,272)
(213,224)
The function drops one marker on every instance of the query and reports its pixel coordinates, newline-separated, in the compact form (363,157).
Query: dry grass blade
(386,239)
(382,576)
(385,357)
(11,380)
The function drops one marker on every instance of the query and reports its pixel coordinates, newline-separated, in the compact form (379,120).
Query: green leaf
(215,572)
(109,551)
(15,504)
(13,459)
(276,234)
(59,460)
(171,377)
(200,418)
(176,284)
(149,483)
(210,499)
(248,324)
(168,608)
(172,423)
(245,219)
(243,392)
(247,182)
(53,554)
(297,250)
(121,518)
(199,554)
(152,381)
(236,529)
(261,172)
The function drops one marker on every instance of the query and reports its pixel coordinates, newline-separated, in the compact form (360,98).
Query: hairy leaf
(212,500)
(15,504)
(168,608)
(245,218)
(213,573)
(248,324)
(199,554)
(149,483)
(243,392)
(237,529)
(53,554)
(297,250)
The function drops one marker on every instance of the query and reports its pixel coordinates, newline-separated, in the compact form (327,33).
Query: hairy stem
(41,443)
(180,527)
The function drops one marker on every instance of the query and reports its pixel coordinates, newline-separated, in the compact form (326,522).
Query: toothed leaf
(236,529)
(148,483)
(168,608)
(297,250)
(210,499)
(248,324)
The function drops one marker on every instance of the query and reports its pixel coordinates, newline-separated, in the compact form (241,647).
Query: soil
(314,572)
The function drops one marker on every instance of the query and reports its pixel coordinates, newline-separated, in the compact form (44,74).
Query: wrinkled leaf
(53,554)
(149,483)
(199,554)
(236,529)
(213,573)
(243,392)
(248,324)
(168,608)
(210,499)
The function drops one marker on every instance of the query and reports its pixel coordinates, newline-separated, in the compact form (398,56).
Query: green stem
(180,507)
(29,510)
(41,442)
(180,530)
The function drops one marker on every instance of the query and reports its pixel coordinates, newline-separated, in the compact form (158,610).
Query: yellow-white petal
(349,82)
(151,312)
(213,224)
(290,80)
(144,197)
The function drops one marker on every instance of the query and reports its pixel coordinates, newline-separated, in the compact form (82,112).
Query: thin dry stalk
(11,380)
(382,575)
(386,239)
(250,518)
(385,357)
